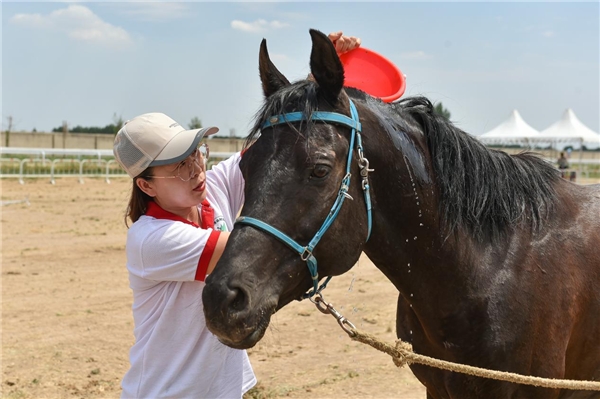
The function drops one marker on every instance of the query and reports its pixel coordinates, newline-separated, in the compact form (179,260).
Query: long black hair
(482,189)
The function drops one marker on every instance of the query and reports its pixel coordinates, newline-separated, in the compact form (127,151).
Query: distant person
(563,162)
(563,165)
(182,215)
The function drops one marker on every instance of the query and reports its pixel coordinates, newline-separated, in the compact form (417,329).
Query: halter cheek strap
(306,252)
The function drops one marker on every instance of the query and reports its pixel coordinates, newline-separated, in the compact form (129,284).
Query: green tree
(440,110)
(117,123)
(108,129)
(112,128)
(195,123)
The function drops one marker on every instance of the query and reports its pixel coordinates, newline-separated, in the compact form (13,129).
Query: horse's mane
(484,190)
(299,96)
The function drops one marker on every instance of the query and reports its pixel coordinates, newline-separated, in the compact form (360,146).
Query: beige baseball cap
(155,139)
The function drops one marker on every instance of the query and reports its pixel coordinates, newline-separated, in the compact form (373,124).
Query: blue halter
(306,252)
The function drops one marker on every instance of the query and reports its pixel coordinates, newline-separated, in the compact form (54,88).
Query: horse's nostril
(237,299)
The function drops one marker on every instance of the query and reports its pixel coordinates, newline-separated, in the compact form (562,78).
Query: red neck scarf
(207,215)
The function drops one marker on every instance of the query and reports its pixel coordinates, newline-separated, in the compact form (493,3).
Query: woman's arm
(219,248)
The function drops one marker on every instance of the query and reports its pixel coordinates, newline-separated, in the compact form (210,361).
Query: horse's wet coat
(495,257)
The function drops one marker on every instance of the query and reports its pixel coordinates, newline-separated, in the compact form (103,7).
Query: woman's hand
(343,43)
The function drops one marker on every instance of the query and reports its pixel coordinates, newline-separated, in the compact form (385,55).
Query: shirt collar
(154,210)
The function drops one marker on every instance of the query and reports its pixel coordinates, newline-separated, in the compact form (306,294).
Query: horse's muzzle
(230,316)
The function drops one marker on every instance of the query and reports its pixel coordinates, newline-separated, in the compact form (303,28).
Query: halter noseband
(306,252)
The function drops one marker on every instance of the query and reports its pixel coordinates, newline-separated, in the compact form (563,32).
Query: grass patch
(259,391)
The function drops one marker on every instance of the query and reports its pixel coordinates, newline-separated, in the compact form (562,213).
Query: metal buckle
(306,254)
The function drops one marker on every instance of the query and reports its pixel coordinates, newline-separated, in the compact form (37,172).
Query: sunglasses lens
(187,169)
(204,151)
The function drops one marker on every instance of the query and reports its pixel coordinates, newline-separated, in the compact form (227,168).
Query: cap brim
(182,145)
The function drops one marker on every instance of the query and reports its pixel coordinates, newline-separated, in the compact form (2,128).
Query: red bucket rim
(371,72)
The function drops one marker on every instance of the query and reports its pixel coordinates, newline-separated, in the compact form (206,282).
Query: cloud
(78,23)
(548,33)
(154,11)
(279,57)
(257,26)
(416,55)
(538,29)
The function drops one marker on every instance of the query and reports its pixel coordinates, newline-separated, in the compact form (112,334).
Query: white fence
(51,163)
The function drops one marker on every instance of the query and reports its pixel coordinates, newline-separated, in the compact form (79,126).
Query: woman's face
(180,185)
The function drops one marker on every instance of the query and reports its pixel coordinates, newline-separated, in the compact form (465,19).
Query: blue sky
(83,62)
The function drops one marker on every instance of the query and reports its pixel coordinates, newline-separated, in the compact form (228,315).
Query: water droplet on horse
(421,224)
(409,265)
(409,270)
(411,295)
(410,332)
(415,238)
(418,203)
(420,215)
(411,305)
(407,240)
(413,183)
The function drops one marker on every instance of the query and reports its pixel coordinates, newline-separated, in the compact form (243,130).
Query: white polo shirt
(174,355)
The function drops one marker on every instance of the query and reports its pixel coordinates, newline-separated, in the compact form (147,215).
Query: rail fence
(51,163)
(590,168)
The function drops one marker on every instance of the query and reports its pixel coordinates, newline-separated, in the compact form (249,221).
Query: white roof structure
(513,130)
(570,129)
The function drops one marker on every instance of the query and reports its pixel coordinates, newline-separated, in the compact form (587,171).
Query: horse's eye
(320,171)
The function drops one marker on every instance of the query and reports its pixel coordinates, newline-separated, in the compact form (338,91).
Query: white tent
(569,129)
(513,130)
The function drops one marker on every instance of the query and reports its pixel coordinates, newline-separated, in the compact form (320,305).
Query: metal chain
(327,308)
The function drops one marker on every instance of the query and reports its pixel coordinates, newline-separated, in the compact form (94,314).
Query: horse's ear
(326,67)
(272,80)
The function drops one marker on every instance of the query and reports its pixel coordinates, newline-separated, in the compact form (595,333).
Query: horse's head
(294,172)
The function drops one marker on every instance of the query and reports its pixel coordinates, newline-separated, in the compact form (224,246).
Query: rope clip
(327,308)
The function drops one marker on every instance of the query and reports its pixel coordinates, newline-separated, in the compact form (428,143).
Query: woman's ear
(146,186)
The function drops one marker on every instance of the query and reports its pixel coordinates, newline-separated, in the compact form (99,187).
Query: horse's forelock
(301,96)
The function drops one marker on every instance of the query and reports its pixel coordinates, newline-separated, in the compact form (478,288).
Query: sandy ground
(66,308)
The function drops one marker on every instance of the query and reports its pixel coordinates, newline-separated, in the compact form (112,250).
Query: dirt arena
(66,308)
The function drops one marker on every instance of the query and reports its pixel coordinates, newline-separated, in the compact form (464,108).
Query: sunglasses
(186,169)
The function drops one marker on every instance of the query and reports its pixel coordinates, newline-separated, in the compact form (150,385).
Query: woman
(181,215)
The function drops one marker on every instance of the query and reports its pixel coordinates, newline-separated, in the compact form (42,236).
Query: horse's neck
(406,243)
(401,257)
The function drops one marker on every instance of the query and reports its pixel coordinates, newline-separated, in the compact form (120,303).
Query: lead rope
(402,354)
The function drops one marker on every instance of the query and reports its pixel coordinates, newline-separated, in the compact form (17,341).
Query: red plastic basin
(372,73)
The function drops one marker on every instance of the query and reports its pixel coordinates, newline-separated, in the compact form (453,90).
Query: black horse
(501,254)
